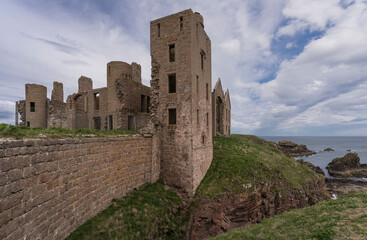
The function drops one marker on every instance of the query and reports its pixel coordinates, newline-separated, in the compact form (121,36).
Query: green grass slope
(151,212)
(246,159)
(344,218)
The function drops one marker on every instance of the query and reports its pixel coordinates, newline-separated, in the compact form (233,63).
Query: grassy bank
(245,159)
(10,131)
(151,212)
(344,218)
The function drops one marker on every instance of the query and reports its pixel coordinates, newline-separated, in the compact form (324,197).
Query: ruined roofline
(227,97)
(218,86)
(181,12)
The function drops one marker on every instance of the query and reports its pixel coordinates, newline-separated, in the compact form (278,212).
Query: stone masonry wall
(50,187)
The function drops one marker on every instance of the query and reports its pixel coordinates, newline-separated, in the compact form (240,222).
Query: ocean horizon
(340,144)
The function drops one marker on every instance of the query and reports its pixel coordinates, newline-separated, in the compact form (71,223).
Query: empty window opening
(97,123)
(148,104)
(172,116)
(142,103)
(197,84)
(28,124)
(207,119)
(131,124)
(33,106)
(202,56)
(96,101)
(172,83)
(110,122)
(172,52)
(207,91)
(181,24)
(203,139)
(159,29)
(197,116)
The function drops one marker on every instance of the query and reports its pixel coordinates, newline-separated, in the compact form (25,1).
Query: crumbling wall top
(85,84)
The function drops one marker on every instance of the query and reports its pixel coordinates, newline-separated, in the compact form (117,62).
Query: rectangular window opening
(97,123)
(202,56)
(197,84)
(96,101)
(181,24)
(171,52)
(197,116)
(172,116)
(207,91)
(148,104)
(159,29)
(142,103)
(207,119)
(33,106)
(28,124)
(172,83)
(110,120)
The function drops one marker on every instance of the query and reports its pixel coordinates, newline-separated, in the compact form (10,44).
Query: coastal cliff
(250,180)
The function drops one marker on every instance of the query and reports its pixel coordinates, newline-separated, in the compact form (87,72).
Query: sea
(341,145)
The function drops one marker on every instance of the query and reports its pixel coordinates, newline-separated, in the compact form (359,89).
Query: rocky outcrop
(347,166)
(294,150)
(214,217)
(316,169)
(342,186)
(328,150)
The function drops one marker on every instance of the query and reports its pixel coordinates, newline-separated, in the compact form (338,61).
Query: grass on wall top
(10,131)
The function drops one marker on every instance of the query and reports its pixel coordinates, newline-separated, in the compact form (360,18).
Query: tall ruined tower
(181,97)
(36,105)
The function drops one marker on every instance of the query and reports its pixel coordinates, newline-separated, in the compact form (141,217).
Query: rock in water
(316,169)
(347,166)
(294,150)
(328,150)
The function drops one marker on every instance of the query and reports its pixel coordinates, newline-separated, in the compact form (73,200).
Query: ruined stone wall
(37,95)
(85,84)
(57,92)
(179,158)
(50,187)
(97,100)
(21,108)
(227,122)
(221,111)
(136,72)
(201,101)
(57,109)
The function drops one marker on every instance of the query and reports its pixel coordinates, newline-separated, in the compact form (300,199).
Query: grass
(151,212)
(241,159)
(344,218)
(10,131)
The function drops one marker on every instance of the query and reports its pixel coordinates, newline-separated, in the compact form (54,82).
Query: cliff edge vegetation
(343,218)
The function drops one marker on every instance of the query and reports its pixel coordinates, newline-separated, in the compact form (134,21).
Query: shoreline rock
(342,186)
(347,166)
(328,150)
(292,149)
(316,169)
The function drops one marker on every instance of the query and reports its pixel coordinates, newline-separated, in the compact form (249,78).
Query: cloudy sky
(293,67)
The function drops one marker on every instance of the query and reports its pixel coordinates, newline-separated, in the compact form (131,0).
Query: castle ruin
(179,108)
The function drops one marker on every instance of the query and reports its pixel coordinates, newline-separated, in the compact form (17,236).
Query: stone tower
(36,105)
(181,97)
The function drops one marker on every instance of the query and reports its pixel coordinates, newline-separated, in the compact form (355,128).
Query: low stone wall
(50,187)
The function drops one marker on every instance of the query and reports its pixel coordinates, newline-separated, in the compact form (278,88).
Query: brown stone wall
(221,106)
(50,187)
(179,141)
(85,84)
(57,92)
(36,94)
(101,111)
